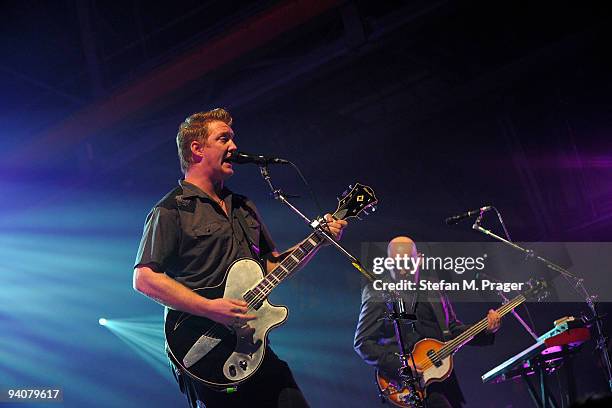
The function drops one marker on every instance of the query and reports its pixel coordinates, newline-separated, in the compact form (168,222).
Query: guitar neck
(453,345)
(352,203)
(287,265)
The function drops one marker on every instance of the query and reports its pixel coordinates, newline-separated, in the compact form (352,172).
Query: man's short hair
(195,127)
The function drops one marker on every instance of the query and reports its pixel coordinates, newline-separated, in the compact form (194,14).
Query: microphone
(244,158)
(472,213)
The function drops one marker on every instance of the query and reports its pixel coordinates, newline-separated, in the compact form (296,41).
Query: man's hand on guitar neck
(335,227)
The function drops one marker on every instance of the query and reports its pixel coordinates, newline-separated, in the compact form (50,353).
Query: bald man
(375,337)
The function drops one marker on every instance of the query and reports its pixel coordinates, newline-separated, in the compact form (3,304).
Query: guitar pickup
(434,358)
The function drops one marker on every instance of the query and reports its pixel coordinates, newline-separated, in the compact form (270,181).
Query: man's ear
(197,151)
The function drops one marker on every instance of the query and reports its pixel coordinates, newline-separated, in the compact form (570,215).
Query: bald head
(403,247)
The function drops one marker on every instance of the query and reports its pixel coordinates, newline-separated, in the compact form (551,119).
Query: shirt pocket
(203,232)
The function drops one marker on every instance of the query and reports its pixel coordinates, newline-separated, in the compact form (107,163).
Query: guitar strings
(445,350)
(263,289)
(481,324)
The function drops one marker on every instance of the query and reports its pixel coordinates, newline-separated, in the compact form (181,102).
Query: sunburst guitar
(435,358)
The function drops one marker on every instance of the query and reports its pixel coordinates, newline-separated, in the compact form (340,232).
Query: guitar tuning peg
(373,209)
(344,193)
(365,212)
(359,218)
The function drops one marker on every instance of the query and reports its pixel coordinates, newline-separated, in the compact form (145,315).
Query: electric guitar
(435,358)
(222,357)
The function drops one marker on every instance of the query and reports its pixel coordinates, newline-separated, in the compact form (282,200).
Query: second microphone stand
(578,285)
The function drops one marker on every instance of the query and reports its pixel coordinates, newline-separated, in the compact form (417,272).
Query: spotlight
(102,321)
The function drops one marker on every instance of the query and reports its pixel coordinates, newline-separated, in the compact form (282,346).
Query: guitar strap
(243,225)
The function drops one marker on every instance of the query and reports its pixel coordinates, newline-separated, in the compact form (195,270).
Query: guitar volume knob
(232,370)
(243,364)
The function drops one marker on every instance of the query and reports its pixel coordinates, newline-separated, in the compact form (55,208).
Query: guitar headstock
(537,290)
(355,201)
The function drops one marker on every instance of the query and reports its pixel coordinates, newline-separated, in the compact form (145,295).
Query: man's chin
(227,168)
(227,172)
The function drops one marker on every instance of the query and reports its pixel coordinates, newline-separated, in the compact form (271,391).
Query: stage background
(440,107)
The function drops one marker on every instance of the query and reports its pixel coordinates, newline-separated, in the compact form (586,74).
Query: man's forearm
(168,292)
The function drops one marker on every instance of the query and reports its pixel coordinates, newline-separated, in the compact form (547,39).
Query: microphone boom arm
(316,224)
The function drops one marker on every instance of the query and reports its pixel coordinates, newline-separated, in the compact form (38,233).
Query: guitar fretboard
(284,269)
(453,345)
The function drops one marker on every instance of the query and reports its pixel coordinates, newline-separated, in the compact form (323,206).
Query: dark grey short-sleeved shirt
(190,238)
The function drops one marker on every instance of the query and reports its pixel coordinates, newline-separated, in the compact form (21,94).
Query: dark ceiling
(453,103)
(60,57)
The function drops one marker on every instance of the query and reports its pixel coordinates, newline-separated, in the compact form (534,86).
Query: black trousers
(438,400)
(272,386)
(444,394)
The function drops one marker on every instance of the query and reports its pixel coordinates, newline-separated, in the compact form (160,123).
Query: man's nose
(233,146)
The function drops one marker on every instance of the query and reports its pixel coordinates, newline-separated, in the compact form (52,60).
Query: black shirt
(188,236)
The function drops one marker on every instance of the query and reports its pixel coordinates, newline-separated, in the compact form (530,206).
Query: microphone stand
(578,285)
(408,378)
(522,321)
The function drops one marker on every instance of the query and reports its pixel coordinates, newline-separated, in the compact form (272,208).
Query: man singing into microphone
(191,237)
